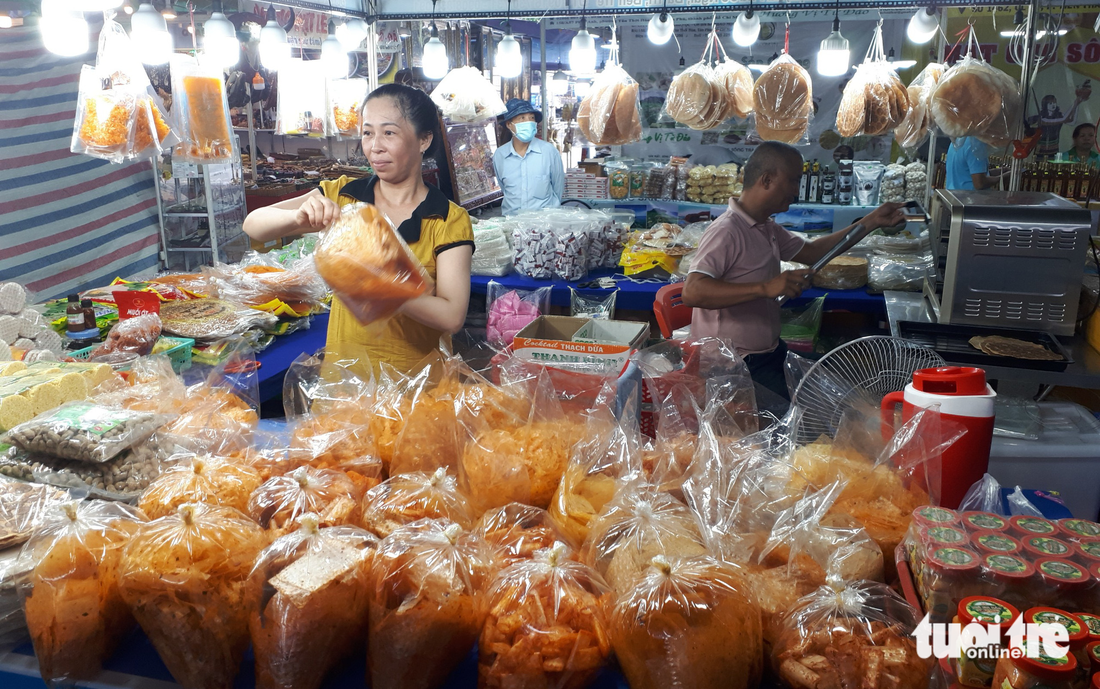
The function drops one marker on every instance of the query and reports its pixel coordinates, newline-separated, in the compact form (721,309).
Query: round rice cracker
(851,116)
(584,118)
(878,117)
(783,93)
(999,132)
(626,109)
(787,136)
(689,97)
(965,100)
(737,81)
(600,117)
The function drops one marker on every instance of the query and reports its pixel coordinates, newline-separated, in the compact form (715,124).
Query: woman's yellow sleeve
(331,187)
(457,231)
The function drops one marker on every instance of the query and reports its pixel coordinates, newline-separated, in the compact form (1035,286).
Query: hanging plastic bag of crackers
(783,102)
(200,112)
(610,115)
(200,478)
(915,127)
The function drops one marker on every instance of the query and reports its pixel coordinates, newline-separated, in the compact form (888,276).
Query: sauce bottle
(74,315)
(89,314)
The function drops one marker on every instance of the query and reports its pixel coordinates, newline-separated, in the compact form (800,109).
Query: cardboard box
(264,247)
(565,340)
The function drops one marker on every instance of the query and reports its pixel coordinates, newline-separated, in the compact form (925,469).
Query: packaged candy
(688,623)
(545,625)
(186,580)
(407,498)
(425,608)
(281,500)
(1018,670)
(74,611)
(511,310)
(317,612)
(996,616)
(206,479)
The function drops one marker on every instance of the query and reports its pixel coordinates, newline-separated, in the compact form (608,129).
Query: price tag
(134,304)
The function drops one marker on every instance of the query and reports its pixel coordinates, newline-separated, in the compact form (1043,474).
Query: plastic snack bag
(610,115)
(914,128)
(23,509)
(598,307)
(301,96)
(367,264)
(783,101)
(512,310)
(688,623)
(137,335)
(859,634)
(205,479)
(516,532)
(345,100)
(201,113)
(186,580)
(545,626)
(317,611)
(974,98)
(407,498)
(465,95)
(71,597)
(697,97)
(426,609)
(281,500)
(875,101)
(84,431)
(430,437)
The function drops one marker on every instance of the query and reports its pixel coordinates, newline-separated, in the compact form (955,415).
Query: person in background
(529,170)
(735,278)
(968,165)
(400,129)
(1084,146)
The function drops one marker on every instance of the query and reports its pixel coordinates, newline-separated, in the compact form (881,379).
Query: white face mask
(525,131)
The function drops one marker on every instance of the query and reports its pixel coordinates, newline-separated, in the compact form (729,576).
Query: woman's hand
(316,212)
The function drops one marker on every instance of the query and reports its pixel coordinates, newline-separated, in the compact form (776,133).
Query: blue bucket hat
(517,107)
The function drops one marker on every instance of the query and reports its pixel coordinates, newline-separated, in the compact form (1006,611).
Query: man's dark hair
(770,157)
(1078,128)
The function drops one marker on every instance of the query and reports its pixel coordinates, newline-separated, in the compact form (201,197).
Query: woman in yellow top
(400,129)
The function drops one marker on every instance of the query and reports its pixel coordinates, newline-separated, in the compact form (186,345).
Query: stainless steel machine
(1009,259)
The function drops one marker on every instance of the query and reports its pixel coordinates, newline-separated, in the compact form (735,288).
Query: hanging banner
(309,30)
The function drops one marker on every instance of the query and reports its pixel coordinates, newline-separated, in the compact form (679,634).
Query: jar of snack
(984,521)
(977,669)
(1024,526)
(933,537)
(1095,683)
(1092,625)
(1015,670)
(1092,652)
(1011,578)
(618,182)
(1087,553)
(638,175)
(1040,547)
(1078,529)
(1078,636)
(1064,584)
(993,543)
(949,574)
(929,515)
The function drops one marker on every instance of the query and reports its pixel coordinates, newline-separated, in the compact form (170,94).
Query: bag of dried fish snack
(406,498)
(688,623)
(186,580)
(280,501)
(200,478)
(74,611)
(426,607)
(314,610)
(546,626)
(857,634)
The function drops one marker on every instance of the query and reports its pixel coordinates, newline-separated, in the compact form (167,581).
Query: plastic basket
(179,353)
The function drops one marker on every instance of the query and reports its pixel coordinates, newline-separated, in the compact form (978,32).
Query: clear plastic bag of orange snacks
(406,498)
(688,623)
(201,113)
(426,609)
(154,387)
(523,464)
(517,532)
(186,579)
(429,438)
(212,419)
(546,627)
(281,500)
(200,478)
(74,611)
(345,101)
(316,614)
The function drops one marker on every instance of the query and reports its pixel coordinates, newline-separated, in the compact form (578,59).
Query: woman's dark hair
(419,110)
(1078,128)
(1050,99)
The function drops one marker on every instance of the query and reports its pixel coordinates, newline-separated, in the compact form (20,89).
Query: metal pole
(251,134)
(372,57)
(160,211)
(1025,89)
(941,48)
(545,89)
(205,169)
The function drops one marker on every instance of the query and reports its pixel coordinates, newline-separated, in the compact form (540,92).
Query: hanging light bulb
(924,25)
(128,7)
(220,38)
(897,64)
(435,62)
(274,48)
(746,29)
(660,28)
(91,5)
(582,87)
(834,58)
(168,12)
(582,52)
(149,34)
(509,58)
(351,33)
(334,56)
(64,32)
(559,85)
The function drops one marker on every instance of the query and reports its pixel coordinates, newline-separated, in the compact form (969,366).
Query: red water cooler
(965,399)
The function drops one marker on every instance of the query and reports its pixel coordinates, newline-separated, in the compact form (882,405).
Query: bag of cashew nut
(85,432)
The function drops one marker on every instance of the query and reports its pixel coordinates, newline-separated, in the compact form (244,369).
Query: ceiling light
(582,52)
(274,48)
(64,32)
(896,64)
(149,34)
(128,8)
(352,33)
(168,12)
(7,21)
(509,58)
(660,28)
(582,87)
(334,56)
(834,58)
(746,29)
(220,38)
(435,62)
(559,85)
(91,5)
(924,25)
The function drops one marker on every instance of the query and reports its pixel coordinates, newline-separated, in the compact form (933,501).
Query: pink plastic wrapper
(512,310)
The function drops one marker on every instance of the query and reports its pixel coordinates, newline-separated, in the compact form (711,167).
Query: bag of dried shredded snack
(426,609)
(316,614)
(84,431)
(186,580)
(688,623)
(200,478)
(281,500)
(71,597)
(546,627)
(407,498)
(516,532)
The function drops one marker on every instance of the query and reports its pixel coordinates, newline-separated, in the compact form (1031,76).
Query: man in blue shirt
(529,170)
(968,165)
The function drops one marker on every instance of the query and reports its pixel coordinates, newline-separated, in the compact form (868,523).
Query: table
(276,359)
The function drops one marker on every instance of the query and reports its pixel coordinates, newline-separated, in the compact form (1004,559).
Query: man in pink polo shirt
(735,277)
